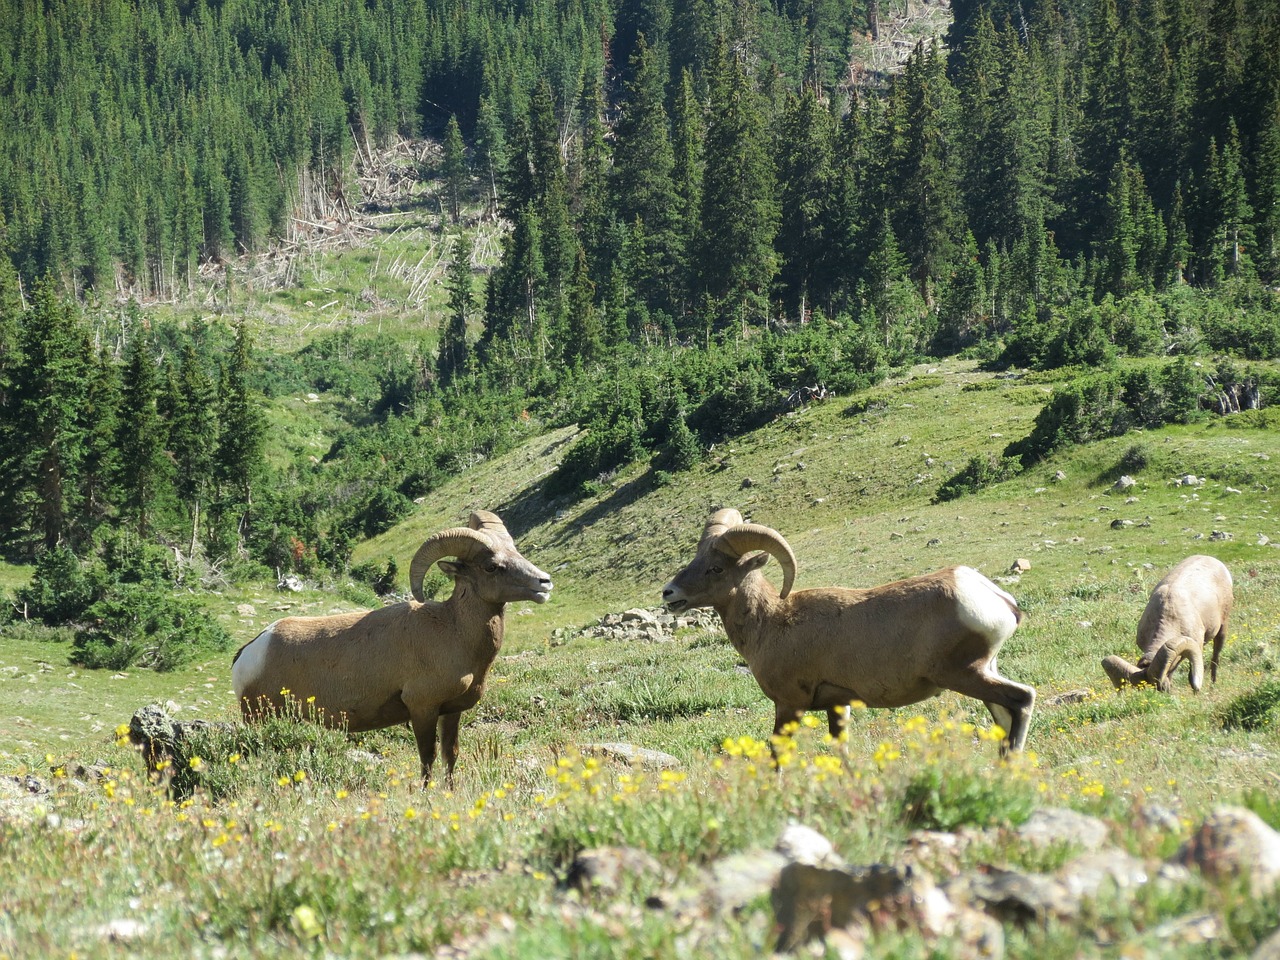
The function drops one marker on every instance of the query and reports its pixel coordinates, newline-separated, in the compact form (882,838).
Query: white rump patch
(248,666)
(984,607)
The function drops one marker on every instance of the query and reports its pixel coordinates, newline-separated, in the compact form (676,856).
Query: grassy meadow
(307,842)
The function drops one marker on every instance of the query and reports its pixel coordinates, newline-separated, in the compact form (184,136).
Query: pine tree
(584,342)
(805,175)
(454,169)
(141,437)
(193,436)
(454,356)
(241,432)
(44,439)
(739,213)
(644,195)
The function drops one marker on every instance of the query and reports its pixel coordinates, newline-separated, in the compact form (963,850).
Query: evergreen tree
(584,340)
(241,433)
(805,175)
(141,437)
(643,192)
(193,436)
(44,439)
(454,356)
(739,215)
(454,169)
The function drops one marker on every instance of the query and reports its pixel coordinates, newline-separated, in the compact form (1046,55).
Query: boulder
(603,869)
(1053,825)
(1233,843)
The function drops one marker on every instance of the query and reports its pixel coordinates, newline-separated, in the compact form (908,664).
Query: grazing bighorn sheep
(1189,607)
(886,646)
(421,661)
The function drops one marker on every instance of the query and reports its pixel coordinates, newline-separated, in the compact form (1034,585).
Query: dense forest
(706,208)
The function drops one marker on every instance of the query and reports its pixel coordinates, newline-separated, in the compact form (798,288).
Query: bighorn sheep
(886,646)
(1187,608)
(420,661)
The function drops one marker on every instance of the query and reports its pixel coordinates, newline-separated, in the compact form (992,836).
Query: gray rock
(801,844)
(246,610)
(123,930)
(1232,843)
(1159,817)
(1194,929)
(638,615)
(1102,871)
(1020,566)
(628,753)
(1125,483)
(1067,697)
(1015,897)
(739,879)
(603,869)
(1049,825)
(1268,949)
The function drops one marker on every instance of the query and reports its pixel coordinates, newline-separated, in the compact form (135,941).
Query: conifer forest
(705,205)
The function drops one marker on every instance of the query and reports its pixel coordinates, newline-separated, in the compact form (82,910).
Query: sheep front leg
(1219,639)
(424,731)
(782,716)
(449,742)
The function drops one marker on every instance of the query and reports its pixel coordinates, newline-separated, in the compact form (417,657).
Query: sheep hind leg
(1219,639)
(449,742)
(1010,704)
(424,731)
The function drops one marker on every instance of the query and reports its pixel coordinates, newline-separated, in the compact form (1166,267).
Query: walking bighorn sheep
(421,661)
(1189,607)
(886,646)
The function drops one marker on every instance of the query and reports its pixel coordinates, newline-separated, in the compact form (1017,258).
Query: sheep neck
(746,612)
(478,618)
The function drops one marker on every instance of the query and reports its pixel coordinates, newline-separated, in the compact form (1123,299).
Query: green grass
(357,861)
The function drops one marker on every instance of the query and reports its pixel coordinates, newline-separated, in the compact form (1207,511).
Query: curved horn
(1169,656)
(490,523)
(456,542)
(1122,672)
(745,537)
(721,521)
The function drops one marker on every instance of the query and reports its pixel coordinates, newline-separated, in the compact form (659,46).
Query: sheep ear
(449,568)
(755,561)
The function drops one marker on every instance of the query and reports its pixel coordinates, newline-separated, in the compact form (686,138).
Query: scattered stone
(1159,817)
(1195,929)
(1232,490)
(1119,524)
(1124,483)
(1059,476)
(246,610)
(1050,825)
(602,869)
(159,737)
(1263,540)
(1017,897)
(740,879)
(801,844)
(1234,842)
(1268,949)
(1021,565)
(1067,697)
(1102,871)
(1220,535)
(1189,480)
(121,931)
(747,483)
(363,756)
(290,584)
(637,614)
(637,756)
(934,542)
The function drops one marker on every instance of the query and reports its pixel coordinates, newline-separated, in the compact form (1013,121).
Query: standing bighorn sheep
(886,646)
(1189,607)
(422,661)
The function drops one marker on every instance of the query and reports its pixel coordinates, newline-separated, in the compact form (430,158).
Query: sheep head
(724,559)
(1158,669)
(485,555)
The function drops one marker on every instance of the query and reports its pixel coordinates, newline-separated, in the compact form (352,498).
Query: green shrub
(1256,710)
(940,799)
(981,471)
(380,578)
(147,626)
(60,590)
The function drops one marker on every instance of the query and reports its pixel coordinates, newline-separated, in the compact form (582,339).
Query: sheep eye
(715,570)
(491,568)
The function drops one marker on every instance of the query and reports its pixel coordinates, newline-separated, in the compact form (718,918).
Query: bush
(939,799)
(60,591)
(981,471)
(381,579)
(146,626)
(1256,710)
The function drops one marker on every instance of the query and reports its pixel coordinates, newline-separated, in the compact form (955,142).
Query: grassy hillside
(312,848)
